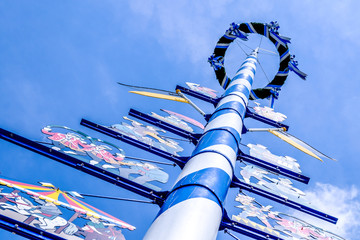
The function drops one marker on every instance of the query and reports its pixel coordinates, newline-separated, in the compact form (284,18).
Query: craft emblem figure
(269,113)
(204,90)
(261,152)
(107,156)
(185,118)
(288,226)
(47,213)
(149,135)
(297,229)
(173,120)
(281,186)
(96,229)
(61,140)
(250,210)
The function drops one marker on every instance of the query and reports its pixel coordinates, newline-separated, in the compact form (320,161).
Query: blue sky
(60,62)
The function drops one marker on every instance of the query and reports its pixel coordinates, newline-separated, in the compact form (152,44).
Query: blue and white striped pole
(193,210)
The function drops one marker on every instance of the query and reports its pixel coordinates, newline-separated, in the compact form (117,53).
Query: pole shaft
(194,207)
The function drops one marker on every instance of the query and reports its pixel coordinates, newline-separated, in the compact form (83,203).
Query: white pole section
(194,207)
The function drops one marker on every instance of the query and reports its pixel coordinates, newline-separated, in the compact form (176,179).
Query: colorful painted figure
(203,90)
(70,140)
(100,153)
(269,113)
(261,152)
(107,156)
(40,206)
(47,213)
(96,229)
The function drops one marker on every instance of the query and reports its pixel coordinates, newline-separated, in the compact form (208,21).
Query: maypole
(194,207)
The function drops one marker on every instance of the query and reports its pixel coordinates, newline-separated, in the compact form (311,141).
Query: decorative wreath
(270,31)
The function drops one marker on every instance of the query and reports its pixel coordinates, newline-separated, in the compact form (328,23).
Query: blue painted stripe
(284,54)
(273,86)
(243,76)
(227,79)
(204,178)
(237,88)
(214,138)
(233,94)
(185,193)
(221,112)
(282,72)
(251,56)
(230,130)
(249,27)
(247,67)
(254,95)
(229,37)
(265,30)
(220,46)
(235,105)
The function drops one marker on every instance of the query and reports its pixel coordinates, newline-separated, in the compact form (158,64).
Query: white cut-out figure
(282,186)
(251,171)
(173,120)
(204,90)
(19,204)
(261,152)
(148,135)
(250,210)
(269,113)
(48,215)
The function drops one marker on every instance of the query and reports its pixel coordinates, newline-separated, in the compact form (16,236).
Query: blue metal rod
(198,95)
(268,121)
(61,157)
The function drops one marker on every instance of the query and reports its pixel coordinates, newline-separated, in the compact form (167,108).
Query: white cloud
(343,203)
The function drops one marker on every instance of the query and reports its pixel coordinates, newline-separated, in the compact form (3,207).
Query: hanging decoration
(148,134)
(283,225)
(281,186)
(299,144)
(185,118)
(269,113)
(173,120)
(269,31)
(203,90)
(55,211)
(104,155)
(261,152)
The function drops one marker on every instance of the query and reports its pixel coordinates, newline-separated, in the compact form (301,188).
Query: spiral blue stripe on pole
(194,207)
